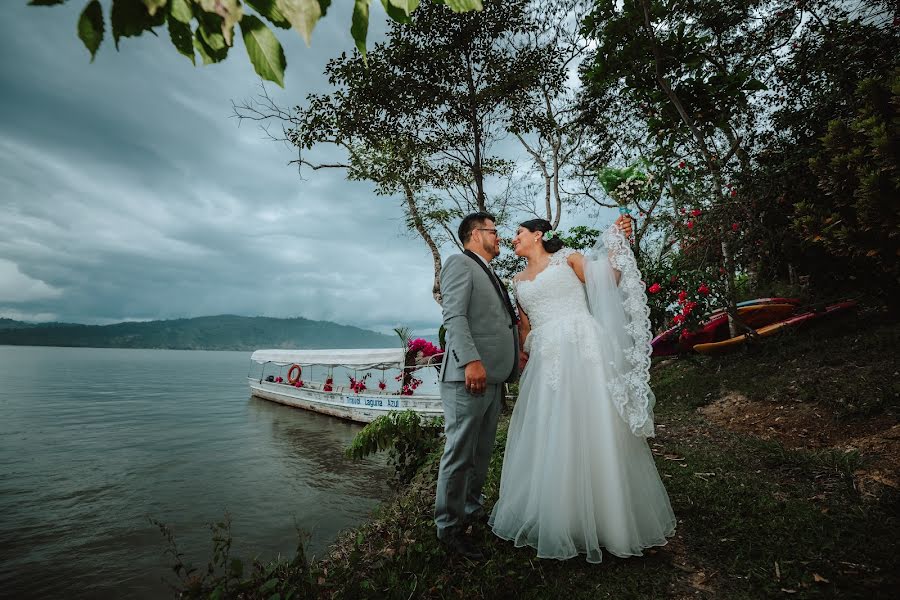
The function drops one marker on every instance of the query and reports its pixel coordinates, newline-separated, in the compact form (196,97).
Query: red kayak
(763,312)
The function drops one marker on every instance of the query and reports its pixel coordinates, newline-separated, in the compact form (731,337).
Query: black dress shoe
(461,545)
(479,518)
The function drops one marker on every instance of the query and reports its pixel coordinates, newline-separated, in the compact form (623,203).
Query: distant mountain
(12,324)
(222,332)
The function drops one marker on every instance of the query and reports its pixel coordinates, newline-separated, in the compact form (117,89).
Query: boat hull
(346,404)
(735,342)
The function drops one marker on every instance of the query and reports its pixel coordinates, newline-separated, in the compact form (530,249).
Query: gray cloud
(129,192)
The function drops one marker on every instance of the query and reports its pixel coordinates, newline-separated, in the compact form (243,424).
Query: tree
(547,124)
(420,118)
(213,23)
(698,68)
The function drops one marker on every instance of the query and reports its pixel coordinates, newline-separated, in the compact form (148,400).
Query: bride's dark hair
(543,225)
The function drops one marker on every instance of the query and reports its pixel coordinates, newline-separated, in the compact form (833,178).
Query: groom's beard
(490,249)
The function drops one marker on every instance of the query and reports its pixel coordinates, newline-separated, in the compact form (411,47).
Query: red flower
(688,308)
(654,289)
(703,289)
(381,385)
(678,319)
(682,297)
(690,224)
(673,279)
(696,212)
(735,226)
(681,165)
(733,193)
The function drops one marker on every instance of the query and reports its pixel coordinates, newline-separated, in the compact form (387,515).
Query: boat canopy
(378,358)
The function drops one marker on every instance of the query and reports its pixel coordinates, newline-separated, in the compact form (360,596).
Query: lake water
(93,442)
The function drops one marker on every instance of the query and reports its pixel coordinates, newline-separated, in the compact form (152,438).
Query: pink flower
(654,289)
(703,289)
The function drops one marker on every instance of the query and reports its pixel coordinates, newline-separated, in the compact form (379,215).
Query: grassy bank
(765,509)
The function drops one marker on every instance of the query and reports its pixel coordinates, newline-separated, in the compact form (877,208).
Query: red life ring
(292,379)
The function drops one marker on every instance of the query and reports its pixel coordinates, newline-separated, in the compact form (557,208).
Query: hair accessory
(549,235)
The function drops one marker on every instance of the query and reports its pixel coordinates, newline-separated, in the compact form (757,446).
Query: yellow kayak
(732,343)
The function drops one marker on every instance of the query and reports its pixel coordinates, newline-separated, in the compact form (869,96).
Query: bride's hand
(523,359)
(624,225)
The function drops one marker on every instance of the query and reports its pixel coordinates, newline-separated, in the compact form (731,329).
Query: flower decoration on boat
(298,383)
(329,385)
(358,385)
(279,379)
(423,348)
(382,384)
(409,388)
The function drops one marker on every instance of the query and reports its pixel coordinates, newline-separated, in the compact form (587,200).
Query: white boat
(341,400)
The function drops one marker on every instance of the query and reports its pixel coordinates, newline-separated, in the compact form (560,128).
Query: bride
(578,474)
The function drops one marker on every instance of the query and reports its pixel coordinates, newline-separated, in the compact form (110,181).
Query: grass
(756,519)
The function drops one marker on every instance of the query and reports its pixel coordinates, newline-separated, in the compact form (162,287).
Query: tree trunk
(423,231)
(477,168)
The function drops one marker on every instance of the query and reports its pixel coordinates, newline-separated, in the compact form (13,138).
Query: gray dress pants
(470,425)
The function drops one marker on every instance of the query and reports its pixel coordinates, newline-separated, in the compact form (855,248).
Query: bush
(408,437)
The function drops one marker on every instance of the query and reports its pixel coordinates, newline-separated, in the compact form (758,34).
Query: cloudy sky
(129,192)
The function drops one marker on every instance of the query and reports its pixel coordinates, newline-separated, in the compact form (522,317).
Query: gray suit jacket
(479,320)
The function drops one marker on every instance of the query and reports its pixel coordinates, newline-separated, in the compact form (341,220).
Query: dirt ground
(804,425)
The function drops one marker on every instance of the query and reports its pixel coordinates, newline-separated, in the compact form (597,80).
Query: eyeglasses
(494,231)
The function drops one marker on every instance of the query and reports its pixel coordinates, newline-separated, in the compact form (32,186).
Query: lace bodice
(555,293)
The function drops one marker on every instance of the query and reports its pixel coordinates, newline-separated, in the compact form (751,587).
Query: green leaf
(181,36)
(229,10)
(154,5)
(755,85)
(211,33)
(180,10)
(461,5)
(209,55)
(359,27)
(130,19)
(269,585)
(302,14)
(263,49)
(396,13)
(269,10)
(90,27)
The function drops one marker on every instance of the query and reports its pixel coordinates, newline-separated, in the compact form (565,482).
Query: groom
(482,351)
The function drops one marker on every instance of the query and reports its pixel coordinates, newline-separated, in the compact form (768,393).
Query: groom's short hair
(470,223)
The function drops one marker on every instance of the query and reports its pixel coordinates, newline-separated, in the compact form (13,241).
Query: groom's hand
(476,377)
(523,359)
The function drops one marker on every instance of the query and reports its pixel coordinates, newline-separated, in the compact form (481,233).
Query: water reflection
(314,444)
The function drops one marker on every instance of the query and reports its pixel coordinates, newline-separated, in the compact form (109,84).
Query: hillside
(222,332)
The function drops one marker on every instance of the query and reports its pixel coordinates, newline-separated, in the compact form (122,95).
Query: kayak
(715,328)
(771,329)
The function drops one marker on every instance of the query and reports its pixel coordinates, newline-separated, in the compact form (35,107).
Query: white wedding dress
(578,474)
